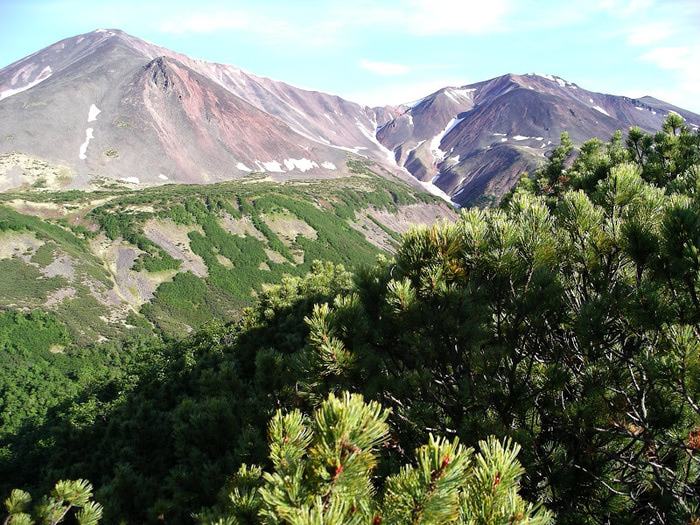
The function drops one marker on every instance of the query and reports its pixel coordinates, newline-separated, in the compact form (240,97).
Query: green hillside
(176,257)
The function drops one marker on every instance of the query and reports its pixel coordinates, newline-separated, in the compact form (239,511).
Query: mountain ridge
(475,141)
(264,133)
(88,105)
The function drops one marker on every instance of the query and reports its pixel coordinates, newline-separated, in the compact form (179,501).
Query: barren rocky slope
(107,107)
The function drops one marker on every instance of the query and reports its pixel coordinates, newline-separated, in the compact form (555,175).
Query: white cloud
(682,77)
(425,17)
(677,57)
(625,8)
(384,68)
(649,34)
(278,30)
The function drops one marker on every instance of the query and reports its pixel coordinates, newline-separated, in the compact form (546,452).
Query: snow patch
(300,164)
(465,92)
(45,73)
(637,107)
(272,166)
(454,94)
(329,165)
(438,154)
(601,110)
(548,77)
(415,103)
(504,139)
(83,147)
(93,112)
(162,177)
(131,180)
(242,167)
(410,150)
(369,134)
(436,191)
(522,137)
(240,82)
(558,80)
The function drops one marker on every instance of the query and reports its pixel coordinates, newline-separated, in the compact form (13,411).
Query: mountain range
(108,107)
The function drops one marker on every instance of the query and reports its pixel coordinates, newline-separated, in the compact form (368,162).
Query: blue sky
(391,51)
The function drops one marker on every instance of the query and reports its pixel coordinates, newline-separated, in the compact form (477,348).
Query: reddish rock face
(161,117)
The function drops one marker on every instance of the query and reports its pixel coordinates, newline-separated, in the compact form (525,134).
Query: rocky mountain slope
(107,106)
(473,142)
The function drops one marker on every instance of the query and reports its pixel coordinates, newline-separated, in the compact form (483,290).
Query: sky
(378,52)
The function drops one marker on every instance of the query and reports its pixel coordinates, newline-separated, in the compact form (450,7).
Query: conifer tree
(65,497)
(322,473)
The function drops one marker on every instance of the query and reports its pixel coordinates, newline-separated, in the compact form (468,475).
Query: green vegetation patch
(24,285)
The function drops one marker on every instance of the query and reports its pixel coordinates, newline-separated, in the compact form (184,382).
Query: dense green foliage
(243,262)
(90,236)
(567,321)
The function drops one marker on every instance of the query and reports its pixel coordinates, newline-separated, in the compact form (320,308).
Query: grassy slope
(180,255)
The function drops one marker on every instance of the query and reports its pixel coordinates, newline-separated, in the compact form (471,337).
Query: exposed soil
(174,240)
(18,245)
(405,218)
(62,265)
(58,296)
(240,227)
(19,170)
(134,288)
(287,227)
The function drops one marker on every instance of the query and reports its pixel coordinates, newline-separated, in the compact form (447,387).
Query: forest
(532,363)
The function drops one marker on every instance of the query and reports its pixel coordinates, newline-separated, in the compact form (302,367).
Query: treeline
(567,320)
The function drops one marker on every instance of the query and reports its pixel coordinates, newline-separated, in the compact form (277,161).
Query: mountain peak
(106,104)
(475,141)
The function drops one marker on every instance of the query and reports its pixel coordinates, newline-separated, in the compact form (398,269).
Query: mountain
(473,142)
(107,104)
(270,178)
(108,107)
